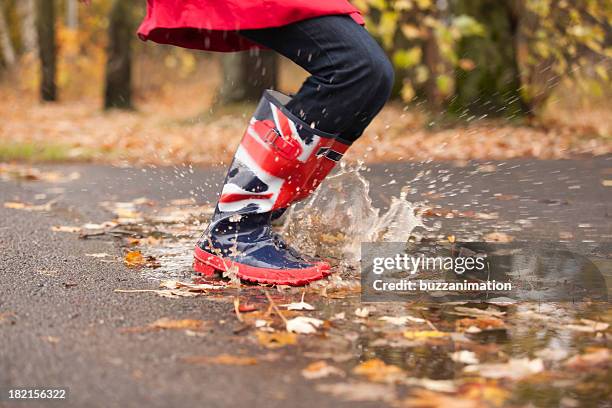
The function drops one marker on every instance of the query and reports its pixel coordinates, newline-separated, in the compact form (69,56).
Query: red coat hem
(193,31)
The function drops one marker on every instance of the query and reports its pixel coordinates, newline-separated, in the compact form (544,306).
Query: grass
(47,152)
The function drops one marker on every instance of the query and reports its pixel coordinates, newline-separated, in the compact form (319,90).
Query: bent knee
(376,74)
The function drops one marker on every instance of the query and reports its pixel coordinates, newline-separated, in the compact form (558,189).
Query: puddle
(332,224)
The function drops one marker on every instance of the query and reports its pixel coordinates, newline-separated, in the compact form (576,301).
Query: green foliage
(435,45)
(564,40)
(421,40)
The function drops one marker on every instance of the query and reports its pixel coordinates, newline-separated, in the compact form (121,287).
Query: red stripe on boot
(231,198)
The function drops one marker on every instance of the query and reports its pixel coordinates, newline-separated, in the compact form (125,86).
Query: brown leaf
(221,359)
(481,323)
(276,339)
(378,371)
(320,369)
(498,237)
(183,324)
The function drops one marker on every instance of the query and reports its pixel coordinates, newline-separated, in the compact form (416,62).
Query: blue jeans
(351,77)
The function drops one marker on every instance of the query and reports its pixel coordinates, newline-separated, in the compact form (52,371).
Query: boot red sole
(208,264)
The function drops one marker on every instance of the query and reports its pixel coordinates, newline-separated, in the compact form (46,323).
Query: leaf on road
(433,385)
(464,357)
(303,325)
(424,334)
(182,324)
(359,391)
(478,324)
(65,228)
(276,339)
(221,359)
(98,255)
(134,259)
(514,369)
(378,371)
(299,306)
(320,369)
(192,287)
(475,312)
(498,237)
(402,320)
(599,357)
(362,312)
(587,326)
(16,205)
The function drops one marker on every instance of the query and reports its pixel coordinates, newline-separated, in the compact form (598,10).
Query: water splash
(340,216)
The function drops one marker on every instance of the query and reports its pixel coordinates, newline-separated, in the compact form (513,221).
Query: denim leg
(351,77)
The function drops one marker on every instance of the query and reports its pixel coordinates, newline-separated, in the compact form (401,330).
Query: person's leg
(351,77)
(291,145)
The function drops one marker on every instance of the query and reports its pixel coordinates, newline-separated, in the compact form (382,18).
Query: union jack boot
(280,160)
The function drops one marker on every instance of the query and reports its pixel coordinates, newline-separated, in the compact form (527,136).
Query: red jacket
(212,24)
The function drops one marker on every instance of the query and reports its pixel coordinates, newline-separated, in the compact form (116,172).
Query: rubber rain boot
(272,168)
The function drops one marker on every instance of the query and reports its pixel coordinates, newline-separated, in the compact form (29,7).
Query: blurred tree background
(481,57)
(460,60)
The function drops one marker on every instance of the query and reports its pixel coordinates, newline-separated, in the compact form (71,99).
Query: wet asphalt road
(64,320)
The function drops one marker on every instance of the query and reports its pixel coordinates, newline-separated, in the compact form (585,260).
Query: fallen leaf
(588,326)
(480,323)
(514,369)
(378,371)
(276,339)
(221,359)
(429,399)
(424,334)
(98,255)
(552,354)
(362,312)
(15,205)
(182,324)
(247,307)
(303,325)
(65,228)
(359,391)
(475,312)
(166,293)
(134,259)
(464,357)
(600,357)
(498,237)
(433,385)
(194,287)
(299,306)
(402,320)
(486,391)
(320,369)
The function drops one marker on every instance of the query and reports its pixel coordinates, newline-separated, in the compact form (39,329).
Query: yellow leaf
(221,359)
(276,339)
(424,334)
(378,371)
(14,205)
(183,324)
(134,259)
(65,228)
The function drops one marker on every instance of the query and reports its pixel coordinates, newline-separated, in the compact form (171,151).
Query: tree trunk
(493,86)
(26,10)
(246,75)
(45,24)
(118,83)
(6,44)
